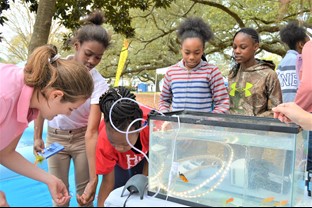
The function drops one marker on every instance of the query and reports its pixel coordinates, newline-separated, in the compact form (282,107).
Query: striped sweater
(199,89)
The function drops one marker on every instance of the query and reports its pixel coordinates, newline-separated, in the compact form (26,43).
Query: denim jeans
(309,159)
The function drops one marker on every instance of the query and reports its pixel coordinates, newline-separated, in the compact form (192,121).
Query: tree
(18,32)
(45,12)
(153,42)
(4,5)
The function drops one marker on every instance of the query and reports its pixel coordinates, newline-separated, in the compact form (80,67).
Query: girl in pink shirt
(304,93)
(48,85)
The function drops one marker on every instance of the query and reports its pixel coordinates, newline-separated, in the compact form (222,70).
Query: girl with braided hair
(115,159)
(254,87)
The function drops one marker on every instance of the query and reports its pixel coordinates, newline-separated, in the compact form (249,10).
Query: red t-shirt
(107,156)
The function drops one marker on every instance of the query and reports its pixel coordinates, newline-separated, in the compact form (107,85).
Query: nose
(191,56)
(237,51)
(92,60)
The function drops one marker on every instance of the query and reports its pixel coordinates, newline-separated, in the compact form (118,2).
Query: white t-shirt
(79,117)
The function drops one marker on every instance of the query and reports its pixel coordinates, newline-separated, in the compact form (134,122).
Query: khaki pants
(75,149)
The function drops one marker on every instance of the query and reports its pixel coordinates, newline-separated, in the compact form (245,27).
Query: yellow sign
(122,61)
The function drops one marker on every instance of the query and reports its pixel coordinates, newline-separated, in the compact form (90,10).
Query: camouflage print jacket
(255,90)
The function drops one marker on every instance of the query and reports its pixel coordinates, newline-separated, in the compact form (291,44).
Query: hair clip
(57,56)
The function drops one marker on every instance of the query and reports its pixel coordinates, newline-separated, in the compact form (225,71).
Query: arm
(304,95)
(91,140)
(107,186)
(219,93)
(38,141)
(165,95)
(145,168)
(3,201)
(274,94)
(17,163)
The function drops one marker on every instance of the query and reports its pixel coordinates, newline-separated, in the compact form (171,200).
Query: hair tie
(52,60)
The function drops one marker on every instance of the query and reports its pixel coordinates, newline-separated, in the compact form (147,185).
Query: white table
(115,200)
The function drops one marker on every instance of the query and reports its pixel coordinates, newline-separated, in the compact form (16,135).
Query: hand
(166,126)
(88,194)
(287,112)
(58,191)
(38,145)
(3,201)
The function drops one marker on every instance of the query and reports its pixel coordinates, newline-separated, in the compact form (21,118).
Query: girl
(116,160)
(49,86)
(254,88)
(78,132)
(193,84)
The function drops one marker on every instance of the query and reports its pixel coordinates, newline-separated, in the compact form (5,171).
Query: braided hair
(254,35)
(124,112)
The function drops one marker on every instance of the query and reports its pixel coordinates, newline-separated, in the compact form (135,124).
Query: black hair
(124,112)
(92,30)
(249,31)
(194,27)
(292,33)
(254,35)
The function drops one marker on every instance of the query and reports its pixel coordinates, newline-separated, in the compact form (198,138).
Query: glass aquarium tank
(206,159)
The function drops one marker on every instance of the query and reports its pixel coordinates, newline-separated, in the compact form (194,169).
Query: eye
(88,54)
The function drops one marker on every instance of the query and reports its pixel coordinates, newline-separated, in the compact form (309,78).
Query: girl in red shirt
(116,160)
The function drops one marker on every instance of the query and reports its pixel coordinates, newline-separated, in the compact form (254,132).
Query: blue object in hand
(51,150)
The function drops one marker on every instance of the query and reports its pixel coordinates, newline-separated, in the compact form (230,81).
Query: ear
(299,46)
(56,94)
(256,47)
(76,46)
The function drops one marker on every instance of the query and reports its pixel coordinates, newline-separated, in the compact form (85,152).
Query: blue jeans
(122,176)
(309,162)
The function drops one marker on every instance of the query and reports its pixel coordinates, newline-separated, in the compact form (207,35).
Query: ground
(150,99)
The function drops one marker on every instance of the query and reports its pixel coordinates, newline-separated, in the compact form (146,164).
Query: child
(48,85)
(193,84)
(254,88)
(294,37)
(78,132)
(116,160)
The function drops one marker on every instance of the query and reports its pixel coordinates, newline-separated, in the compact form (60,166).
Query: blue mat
(25,192)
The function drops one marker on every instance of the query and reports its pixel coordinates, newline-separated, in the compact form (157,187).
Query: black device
(136,184)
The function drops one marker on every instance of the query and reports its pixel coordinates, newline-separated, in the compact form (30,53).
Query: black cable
(131,192)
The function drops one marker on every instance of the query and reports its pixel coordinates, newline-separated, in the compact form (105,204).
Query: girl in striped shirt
(193,84)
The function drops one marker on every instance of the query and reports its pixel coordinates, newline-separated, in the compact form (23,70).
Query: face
(89,53)
(53,106)
(118,140)
(192,50)
(300,44)
(244,48)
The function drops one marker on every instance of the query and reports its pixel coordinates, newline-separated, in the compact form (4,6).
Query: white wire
(127,132)
(124,132)
(172,158)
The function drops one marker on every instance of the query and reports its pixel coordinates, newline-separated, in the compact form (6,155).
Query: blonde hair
(44,71)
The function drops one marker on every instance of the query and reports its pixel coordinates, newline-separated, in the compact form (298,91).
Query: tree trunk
(45,12)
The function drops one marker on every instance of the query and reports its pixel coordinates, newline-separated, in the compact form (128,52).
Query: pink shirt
(304,93)
(15,96)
